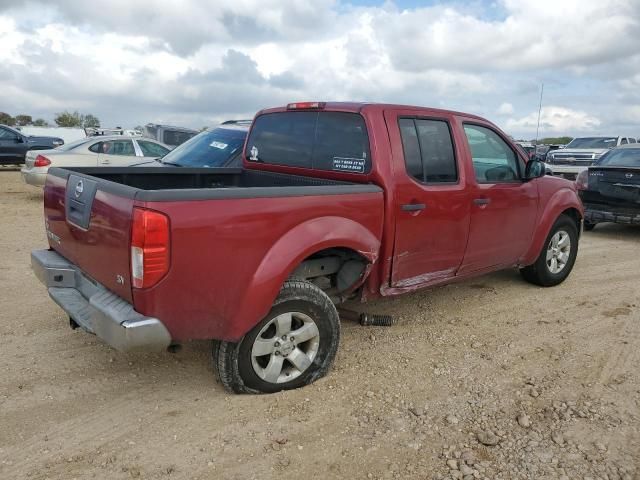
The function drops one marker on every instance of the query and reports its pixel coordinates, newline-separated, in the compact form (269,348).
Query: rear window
(175,137)
(334,141)
(623,157)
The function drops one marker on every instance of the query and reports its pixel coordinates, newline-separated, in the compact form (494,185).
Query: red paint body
(229,257)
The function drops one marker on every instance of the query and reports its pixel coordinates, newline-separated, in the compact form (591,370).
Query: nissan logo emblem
(628,175)
(79,188)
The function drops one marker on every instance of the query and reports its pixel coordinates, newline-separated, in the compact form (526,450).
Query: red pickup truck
(335,201)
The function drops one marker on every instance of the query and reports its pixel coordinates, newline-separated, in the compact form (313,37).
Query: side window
(7,134)
(118,147)
(428,150)
(96,147)
(624,141)
(493,159)
(150,149)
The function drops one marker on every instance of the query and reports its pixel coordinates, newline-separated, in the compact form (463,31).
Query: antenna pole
(539,112)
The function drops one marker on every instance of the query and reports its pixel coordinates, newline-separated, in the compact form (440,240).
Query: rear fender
(563,199)
(286,254)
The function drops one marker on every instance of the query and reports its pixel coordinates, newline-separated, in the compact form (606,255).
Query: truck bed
(175,183)
(233,234)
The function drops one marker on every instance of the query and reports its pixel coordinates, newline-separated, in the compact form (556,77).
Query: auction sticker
(219,145)
(347,164)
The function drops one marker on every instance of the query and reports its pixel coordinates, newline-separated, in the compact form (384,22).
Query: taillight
(306,106)
(41,161)
(149,247)
(582,180)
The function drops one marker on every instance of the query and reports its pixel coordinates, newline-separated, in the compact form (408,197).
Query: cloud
(505,109)
(197,62)
(556,120)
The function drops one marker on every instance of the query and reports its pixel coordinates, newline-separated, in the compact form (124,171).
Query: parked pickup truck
(610,189)
(335,201)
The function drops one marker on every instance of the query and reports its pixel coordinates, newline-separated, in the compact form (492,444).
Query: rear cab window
(320,140)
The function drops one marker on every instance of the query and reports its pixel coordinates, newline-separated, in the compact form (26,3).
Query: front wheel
(293,346)
(556,260)
(588,226)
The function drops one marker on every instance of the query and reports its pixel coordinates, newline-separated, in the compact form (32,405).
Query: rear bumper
(32,177)
(95,308)
(598,214)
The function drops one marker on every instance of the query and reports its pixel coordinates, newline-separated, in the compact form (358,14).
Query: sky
(196,63)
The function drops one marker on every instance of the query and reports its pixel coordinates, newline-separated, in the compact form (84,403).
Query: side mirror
(535,169)
(20,140)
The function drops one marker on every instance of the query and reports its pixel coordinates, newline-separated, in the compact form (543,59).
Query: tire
(544,271)
(588,226)
(265,361)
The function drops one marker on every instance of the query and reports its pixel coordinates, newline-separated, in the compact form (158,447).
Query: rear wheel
(293,346)
(556,260)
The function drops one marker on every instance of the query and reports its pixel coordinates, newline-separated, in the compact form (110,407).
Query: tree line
(62,119)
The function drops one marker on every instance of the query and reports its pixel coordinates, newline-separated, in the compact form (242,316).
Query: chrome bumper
(95,308)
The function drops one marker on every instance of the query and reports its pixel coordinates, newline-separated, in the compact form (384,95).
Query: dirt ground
(491,378)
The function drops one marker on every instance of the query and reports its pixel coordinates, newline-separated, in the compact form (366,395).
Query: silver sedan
(112,151)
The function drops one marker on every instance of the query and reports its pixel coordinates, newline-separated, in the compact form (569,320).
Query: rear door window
(150,149)
(428,150)
(336,141)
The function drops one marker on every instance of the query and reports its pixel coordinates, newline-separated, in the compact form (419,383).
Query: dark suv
(217,147)
(14,145)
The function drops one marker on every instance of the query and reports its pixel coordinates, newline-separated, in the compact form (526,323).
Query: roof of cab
(357,107)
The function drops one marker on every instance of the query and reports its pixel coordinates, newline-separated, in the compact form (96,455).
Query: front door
(504,207)
(12,146)
(433,203)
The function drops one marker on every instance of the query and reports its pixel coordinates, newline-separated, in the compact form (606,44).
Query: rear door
(504,207)
(432,201)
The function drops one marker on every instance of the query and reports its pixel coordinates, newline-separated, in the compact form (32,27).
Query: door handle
(413,207)
(482,201)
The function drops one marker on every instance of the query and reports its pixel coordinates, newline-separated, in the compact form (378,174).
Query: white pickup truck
(581,153)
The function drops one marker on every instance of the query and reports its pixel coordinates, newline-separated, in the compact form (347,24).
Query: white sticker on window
(254,154)
(347,164)
(219,145)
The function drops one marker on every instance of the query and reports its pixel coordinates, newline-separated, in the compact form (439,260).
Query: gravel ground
(490,378)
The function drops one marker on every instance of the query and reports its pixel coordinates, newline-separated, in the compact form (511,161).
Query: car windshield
(212,148)
(624,157)
(593,142)
(71,145)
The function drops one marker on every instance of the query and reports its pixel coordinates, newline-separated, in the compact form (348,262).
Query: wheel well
(334,270)
(574,214)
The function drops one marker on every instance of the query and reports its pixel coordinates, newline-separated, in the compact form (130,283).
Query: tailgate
(618,185)
(90,226)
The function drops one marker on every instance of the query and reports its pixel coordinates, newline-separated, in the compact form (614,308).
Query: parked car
(335,201)
(168,135)
(610,190)
(543,150)
(216,147)
(14,145)
(582,152)
(529,148)
(90,152)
